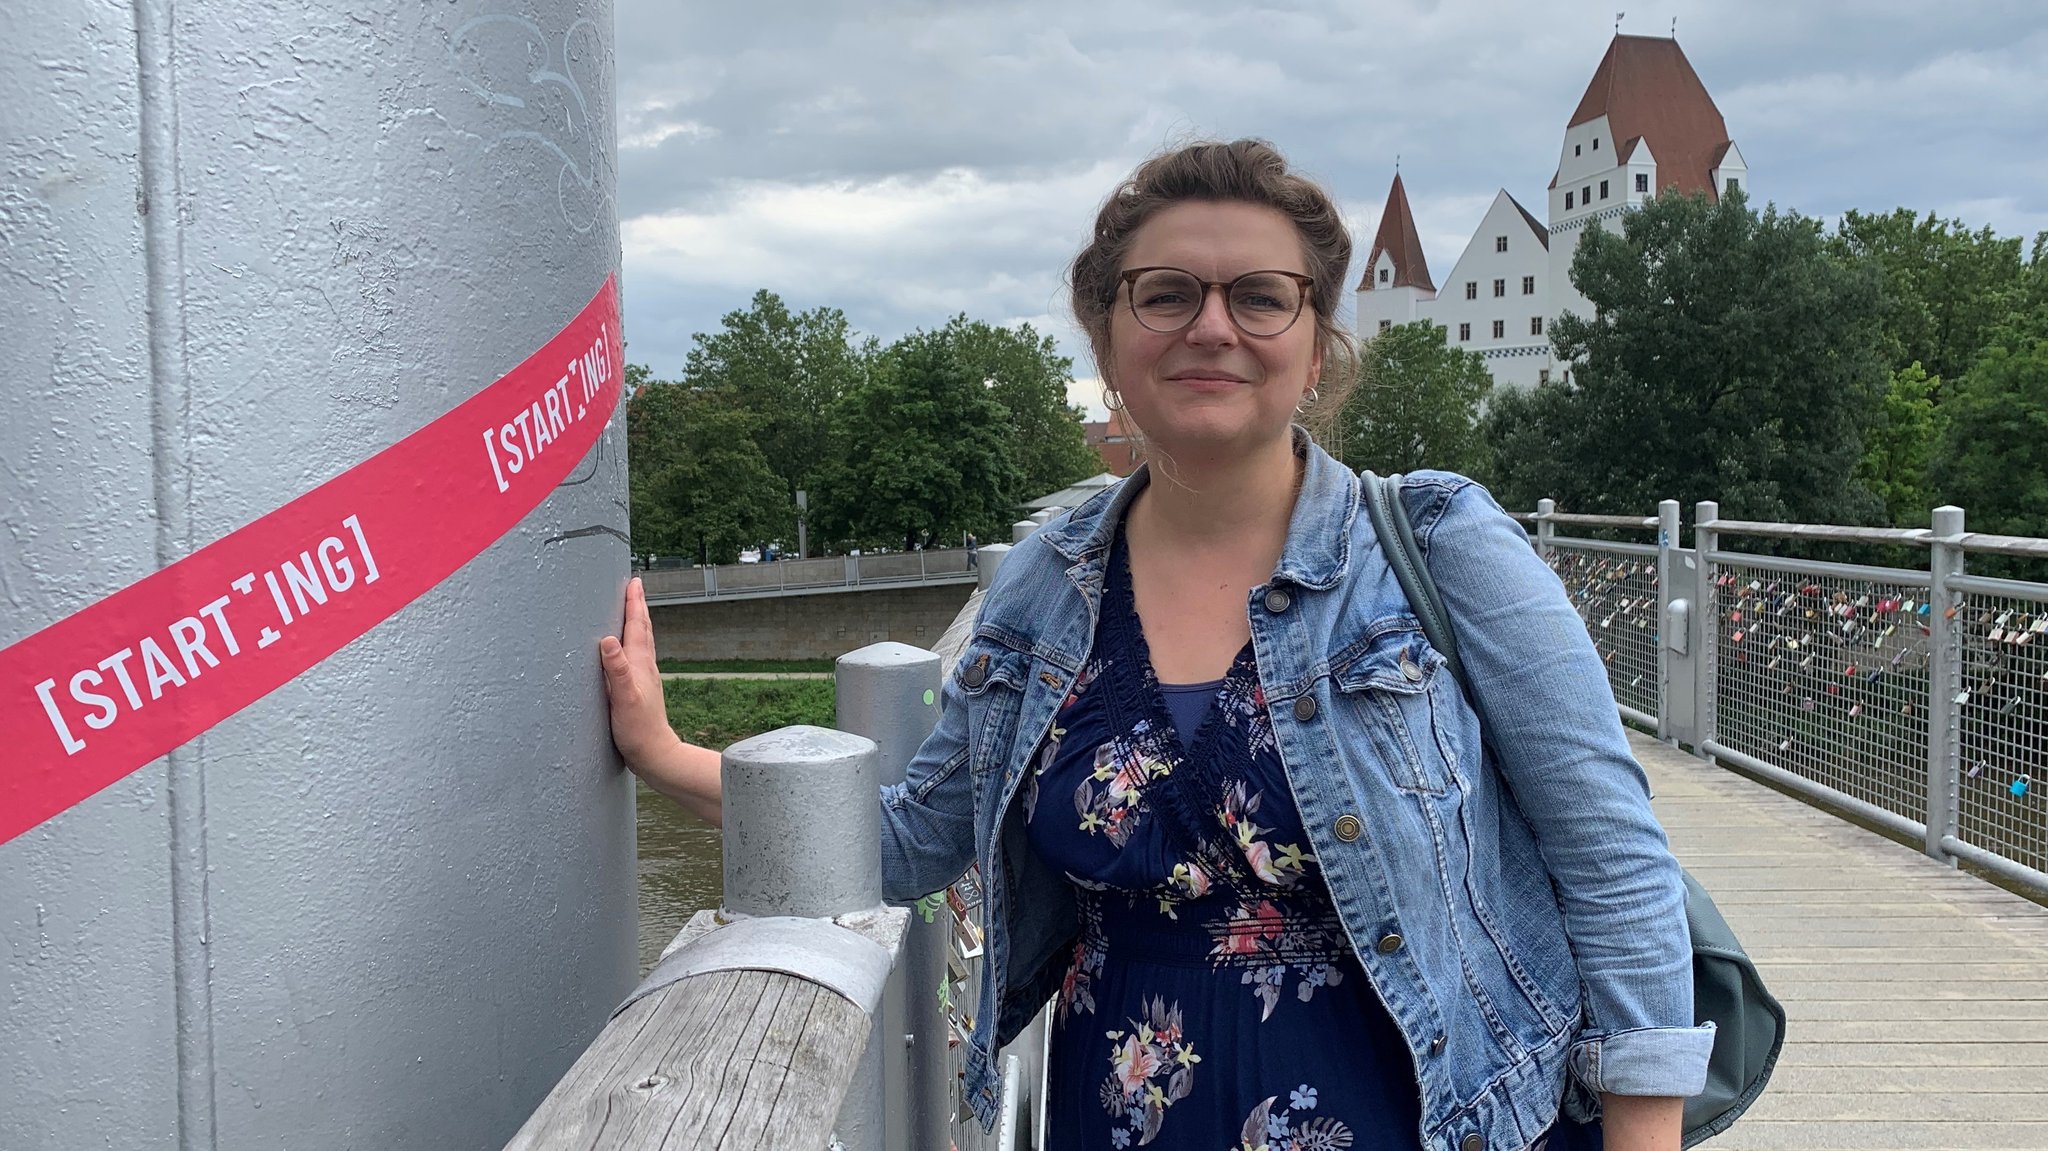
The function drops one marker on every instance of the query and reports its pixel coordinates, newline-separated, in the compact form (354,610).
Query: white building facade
(1645,126)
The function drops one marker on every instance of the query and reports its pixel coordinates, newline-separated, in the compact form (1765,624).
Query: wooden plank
(1918,993)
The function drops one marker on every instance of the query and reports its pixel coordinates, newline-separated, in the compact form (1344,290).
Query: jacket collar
(1318,551)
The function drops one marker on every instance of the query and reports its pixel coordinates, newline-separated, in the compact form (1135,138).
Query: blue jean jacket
(1519,913)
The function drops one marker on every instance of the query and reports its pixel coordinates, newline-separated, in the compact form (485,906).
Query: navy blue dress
(1212,1000)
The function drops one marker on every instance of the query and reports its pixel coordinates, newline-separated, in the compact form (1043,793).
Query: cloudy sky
(906,161)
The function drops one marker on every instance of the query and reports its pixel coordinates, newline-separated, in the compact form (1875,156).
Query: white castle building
(1646,125)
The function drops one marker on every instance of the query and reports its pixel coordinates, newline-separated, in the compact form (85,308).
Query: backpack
(1749,1024)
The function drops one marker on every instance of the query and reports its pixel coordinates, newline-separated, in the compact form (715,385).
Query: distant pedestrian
(973,561)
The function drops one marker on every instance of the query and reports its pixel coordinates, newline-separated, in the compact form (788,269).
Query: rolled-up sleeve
(1555,733)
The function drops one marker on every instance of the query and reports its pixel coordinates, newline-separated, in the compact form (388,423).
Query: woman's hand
(632,681)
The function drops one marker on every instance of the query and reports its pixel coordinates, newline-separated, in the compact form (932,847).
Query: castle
(1645,126)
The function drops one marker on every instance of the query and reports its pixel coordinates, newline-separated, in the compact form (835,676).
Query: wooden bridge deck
(1918,994)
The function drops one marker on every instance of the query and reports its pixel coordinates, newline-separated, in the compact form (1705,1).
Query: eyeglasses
(1260,303)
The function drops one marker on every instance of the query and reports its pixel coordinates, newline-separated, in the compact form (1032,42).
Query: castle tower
(1645,125)
(1396,277)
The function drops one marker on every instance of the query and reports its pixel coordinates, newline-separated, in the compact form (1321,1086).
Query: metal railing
(1914,698)
(802,577)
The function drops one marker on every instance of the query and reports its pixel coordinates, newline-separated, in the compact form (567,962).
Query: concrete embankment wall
(824,626)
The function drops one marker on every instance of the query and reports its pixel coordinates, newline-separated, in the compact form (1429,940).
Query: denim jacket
(1519,914)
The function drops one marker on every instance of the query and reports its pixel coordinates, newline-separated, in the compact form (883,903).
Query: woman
(1228,803)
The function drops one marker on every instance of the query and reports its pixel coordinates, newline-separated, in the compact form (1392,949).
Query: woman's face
(1209,389)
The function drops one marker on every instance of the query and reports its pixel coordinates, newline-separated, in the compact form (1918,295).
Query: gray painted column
(1944,681)
(803,837)
(991,560)
(1546,531)
(889,693)
(247,246)
(1706,656)
(1670,648)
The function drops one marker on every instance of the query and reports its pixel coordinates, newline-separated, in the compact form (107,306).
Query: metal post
(1706,608)
(889,693)
(1944,681)
(1545,530)
(1022,529)
(991,558)
(803,837)
(1667,656)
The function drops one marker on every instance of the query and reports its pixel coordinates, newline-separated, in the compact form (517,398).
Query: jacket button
(1472,1142)
(1305,708)
(1390,944)
(1348,828)
(1436,1046)
(1277,601)
(976,673)
(1410,670)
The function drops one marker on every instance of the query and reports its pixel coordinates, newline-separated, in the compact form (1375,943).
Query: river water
(679,870)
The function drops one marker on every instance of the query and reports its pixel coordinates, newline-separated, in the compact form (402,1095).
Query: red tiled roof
(1647,89)
(1535,225)
(1397,235)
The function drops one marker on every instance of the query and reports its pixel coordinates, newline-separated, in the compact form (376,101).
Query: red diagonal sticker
(94,697)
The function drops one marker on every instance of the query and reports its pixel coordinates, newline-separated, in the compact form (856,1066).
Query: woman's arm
(682,771)
(1554,731)
(1641,1122)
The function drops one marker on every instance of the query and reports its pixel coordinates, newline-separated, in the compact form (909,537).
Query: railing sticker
(92,698)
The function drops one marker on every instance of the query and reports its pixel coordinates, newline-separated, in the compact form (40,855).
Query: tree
(1945,287)
(919,447)
(1901,447)
(1728,357)
(1418,405)
(700,485)
(1026,374)
(1994,448)
(788,368)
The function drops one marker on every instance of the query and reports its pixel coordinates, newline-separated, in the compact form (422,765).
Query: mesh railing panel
(2002,792)
(1617,597)
(1825,675)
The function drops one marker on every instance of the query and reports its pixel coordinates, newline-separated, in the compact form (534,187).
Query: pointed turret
(1396,260)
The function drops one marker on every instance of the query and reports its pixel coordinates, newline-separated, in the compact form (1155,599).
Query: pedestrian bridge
(830,574)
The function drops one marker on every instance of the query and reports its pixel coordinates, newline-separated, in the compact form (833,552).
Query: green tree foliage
(1946,288)
(788,368)
(1729,356)
(1901,447)
(1994,448)
(1418,405)
(1026,374)
(700,485)
(920,449)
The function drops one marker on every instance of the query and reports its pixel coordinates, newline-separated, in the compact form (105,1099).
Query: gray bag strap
(1404,555)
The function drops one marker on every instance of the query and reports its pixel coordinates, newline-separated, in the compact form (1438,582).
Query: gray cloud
(907,161)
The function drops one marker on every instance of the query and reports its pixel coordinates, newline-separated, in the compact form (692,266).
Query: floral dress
(1212,1000)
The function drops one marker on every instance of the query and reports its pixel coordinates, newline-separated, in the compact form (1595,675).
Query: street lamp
(802,505)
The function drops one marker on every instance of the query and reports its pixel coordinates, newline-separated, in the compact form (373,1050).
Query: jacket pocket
(992,677)
(1399,692)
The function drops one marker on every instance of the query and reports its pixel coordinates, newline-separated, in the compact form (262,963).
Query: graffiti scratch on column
(592,530)
(512,64)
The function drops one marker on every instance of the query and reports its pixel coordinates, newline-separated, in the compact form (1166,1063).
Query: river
(679,870)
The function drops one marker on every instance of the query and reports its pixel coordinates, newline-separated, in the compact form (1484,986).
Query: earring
(1111,400)
(1311,396)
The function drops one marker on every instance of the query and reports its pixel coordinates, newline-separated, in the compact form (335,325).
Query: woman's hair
(1245,172)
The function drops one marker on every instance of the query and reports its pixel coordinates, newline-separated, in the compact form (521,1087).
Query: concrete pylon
(247,246)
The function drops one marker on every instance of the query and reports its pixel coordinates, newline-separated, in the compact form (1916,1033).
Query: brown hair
(1242,171)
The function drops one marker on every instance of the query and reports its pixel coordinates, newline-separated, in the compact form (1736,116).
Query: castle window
(1535,325)
(1500,243)
(1578,149)
(1464,331)
(1603,189)
(1543,375)
(1385,324)
(1500,287)
(1500,328)
(1383,275)
(1471,289)
(1528,285)
(1596,143)
(1734,185)
(1586,194)
(1567,201)
(1642,182)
